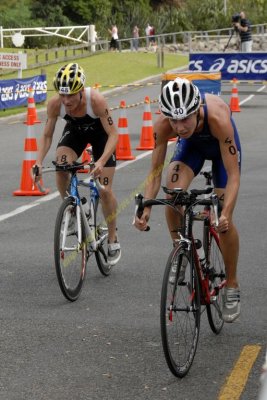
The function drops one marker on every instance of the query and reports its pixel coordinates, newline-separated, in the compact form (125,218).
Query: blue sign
(15,92)
(206,82)
(242,66)
(208,86)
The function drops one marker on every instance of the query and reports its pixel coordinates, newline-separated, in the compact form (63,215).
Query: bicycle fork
(185,244)
(89,232)
(79,230)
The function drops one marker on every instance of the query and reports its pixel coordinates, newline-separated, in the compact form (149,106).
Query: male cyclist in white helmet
(88,121)
(205,131)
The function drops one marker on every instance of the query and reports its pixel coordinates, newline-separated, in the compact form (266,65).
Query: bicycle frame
(190,280)
(209,231)
(187,238)
(94,196)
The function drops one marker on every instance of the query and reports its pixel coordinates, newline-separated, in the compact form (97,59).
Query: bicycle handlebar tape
(86,158)
(123,148)
(140,208)
(234,103)
(146,138)
(32,117)
(27,186)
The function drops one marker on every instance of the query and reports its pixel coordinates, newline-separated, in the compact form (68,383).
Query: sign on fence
(13,60)
(15,92)
(242,66)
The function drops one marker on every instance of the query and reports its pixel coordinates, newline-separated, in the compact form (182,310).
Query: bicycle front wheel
(70,250)
(180,311)
(216,274)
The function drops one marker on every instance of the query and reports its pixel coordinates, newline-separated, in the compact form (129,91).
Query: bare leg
(109,203)
(64,154)
(230,250)
(179,176)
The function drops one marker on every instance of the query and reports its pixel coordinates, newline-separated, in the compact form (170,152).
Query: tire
(70,264)
(216,274)
(101,232)
(180,312)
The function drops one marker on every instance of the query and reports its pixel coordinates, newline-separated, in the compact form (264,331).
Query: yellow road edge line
(237,379)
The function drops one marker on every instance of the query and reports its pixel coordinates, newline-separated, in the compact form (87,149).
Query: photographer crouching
(242,26)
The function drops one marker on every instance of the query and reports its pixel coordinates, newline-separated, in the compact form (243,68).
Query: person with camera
(242,26)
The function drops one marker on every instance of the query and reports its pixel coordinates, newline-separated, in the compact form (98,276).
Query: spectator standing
(244,29)
(114,45)
(135,38)
(147,31)
(152,36)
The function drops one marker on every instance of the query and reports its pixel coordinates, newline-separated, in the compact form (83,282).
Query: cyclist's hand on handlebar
(36,172)
(223,224)
(97,170)
(141,223)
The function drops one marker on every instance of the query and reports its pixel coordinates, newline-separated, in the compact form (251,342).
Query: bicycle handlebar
(179,197)
(65,167)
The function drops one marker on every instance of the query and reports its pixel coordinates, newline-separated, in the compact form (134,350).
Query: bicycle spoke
(180,319)
(70,250)
(216,274)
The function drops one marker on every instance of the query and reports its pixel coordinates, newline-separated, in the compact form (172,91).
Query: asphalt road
(107,345)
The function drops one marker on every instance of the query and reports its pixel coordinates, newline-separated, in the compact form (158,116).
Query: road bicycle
(192,281)
(263,381)
(80,231)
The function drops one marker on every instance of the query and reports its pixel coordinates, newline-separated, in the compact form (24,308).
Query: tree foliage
(165,15)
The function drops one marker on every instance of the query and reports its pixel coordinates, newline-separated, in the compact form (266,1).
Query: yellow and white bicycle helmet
(179,99)
(69,79)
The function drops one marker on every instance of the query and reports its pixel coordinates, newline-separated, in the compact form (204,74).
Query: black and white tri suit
(79,131)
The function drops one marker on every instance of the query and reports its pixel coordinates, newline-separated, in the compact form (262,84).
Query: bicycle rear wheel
(216,274)
(101,234)
(70,255)
(180,313)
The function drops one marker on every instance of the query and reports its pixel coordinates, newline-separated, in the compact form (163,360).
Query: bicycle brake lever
(35,172)
(139,208)
(98,184)
(40,187)
(215,202)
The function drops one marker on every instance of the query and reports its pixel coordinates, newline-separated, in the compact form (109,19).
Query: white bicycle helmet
(179,99)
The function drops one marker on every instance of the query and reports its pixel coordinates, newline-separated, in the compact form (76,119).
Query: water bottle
(85,206)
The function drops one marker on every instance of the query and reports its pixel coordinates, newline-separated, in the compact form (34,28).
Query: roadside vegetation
(165,15)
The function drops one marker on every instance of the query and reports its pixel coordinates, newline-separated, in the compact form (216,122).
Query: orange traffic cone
(234,103)
(147,140)
(86,158)
(27,187)
(96,86)
(31,113)
(158,111)
(123,148)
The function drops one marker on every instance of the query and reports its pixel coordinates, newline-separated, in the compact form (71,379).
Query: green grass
(108,69)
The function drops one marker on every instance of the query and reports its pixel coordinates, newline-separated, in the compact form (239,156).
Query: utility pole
(225,6)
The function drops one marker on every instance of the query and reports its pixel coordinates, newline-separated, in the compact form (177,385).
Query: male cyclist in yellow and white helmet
(88,120)
(205,131)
